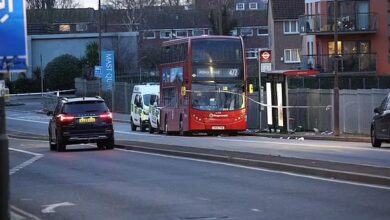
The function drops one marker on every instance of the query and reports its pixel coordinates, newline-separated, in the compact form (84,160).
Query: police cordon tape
(326,107)
(43,93)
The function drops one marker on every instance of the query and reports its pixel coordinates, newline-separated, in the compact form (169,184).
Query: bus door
(170,111)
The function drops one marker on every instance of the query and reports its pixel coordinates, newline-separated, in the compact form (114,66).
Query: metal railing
(357,62)
(346,23)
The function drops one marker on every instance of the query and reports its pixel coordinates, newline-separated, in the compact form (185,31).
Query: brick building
(362,43)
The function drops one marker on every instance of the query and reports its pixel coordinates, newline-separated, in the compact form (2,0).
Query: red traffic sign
(265,56)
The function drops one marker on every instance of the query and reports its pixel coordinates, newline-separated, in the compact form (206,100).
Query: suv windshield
(85,107)
(218,97)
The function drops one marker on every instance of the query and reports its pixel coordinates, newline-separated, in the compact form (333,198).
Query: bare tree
(40,4)
(220,17)
(49,4)
(66,4)
(132,11)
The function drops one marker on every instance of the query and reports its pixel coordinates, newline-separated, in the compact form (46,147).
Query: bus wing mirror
(250,88)
(183,91)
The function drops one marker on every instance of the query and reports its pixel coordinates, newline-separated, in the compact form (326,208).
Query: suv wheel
(61,146)
(374,141)
(106,144)
(51,143)
(132,125)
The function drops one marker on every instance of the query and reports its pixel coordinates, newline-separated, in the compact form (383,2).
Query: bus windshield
(216,50)
(217,96)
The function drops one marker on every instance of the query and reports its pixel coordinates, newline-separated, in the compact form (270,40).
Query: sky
(88,3)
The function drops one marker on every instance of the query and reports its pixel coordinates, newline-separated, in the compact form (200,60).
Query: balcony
(364,62)
(358,23)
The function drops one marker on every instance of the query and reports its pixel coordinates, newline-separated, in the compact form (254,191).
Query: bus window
(169,97)
(218,97)
(216,50)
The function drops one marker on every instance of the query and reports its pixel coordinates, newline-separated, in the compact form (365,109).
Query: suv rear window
(85,107)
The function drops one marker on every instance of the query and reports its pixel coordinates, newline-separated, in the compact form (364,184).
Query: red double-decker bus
(203,85)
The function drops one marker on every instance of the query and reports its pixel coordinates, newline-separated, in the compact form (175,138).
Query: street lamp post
(336,97)
(4,161)
(100,33)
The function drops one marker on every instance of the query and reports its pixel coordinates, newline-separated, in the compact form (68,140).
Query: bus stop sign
(265,56)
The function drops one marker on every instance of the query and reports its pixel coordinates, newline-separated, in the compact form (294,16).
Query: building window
(291,56)
(262,31)
(81,27)
(149,35)
(252,53)
(253,6)
(240,6)
(290,27)
(64,28)
(246,31)
(181,33)
(165,34)
(198,32)
(233,32)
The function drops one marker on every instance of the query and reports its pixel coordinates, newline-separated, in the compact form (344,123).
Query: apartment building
(285,40)
(362,28)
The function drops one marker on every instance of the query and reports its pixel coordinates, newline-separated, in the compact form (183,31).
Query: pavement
(125,118)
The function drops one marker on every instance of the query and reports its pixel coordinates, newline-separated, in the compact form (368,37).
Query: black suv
(81,120)
(380,125)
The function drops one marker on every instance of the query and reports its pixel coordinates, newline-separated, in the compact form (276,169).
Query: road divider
(371,175)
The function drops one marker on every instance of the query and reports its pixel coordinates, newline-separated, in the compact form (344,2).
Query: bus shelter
(276,88)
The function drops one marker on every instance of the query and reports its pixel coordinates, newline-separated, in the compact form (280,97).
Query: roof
(75,15)
(295,73)
(186,39)
(149,18)
(287,9)
(80,99)
(168,18)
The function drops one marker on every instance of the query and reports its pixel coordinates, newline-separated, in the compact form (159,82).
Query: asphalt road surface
(356,153)
(84,183)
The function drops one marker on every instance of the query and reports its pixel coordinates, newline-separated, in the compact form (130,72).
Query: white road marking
(50,208)
(29,140)
(26,163)
(134,133)
(28,120)
(255,210)
(17,212)
(26,152)
(259,169)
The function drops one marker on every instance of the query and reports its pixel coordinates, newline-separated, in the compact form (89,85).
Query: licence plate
(87,120)
(218,127)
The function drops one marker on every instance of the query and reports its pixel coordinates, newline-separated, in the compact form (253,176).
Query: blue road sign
(107,70)
(13,52)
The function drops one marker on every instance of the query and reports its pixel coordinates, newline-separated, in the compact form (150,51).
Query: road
(355,153)
(84,183)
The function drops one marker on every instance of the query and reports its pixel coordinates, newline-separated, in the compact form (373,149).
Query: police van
(142,98)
